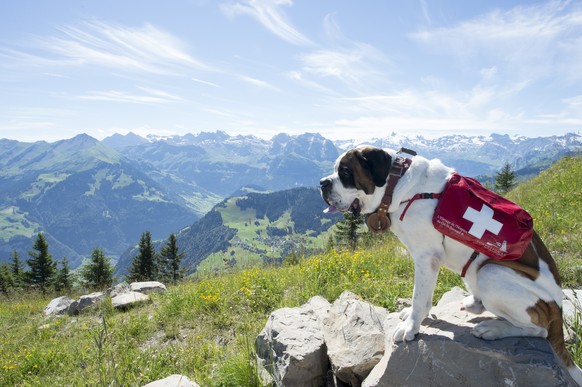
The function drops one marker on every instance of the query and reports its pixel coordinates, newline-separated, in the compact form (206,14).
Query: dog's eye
(344,172)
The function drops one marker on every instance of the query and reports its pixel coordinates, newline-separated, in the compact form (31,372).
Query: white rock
(128,299)
(118,289)
(89,300)
(354,337)
(445,353)
(59,305)
(291,346)
(173,381)
(572,305)
(148,287)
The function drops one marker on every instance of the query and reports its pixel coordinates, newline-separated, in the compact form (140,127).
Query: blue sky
(346,69)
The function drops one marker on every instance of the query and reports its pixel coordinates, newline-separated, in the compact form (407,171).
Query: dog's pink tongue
(330,210)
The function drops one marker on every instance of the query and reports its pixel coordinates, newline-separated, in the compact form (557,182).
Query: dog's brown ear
(378,163)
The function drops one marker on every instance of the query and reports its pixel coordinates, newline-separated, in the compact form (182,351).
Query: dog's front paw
(404,331)
(404,313)
(472,305)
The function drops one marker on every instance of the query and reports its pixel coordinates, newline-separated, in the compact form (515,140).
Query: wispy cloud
(346,65)
(257,82)
(151,96)
(97,43)
(205,82)
(270,14)
(359,66)
(526,39)
(298,76)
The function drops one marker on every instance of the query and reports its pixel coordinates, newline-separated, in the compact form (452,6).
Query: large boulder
(147,287)
(296,343)
(354,337)
(445,353)
(291,347)
(60,305)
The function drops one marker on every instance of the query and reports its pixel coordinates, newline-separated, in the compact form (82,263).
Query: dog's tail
(556,339)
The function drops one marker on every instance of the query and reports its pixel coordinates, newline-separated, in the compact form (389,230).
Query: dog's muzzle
(325,185)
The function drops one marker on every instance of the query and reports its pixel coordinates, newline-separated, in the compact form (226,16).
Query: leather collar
(379,221)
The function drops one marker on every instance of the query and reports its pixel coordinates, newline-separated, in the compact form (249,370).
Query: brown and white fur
(526,294)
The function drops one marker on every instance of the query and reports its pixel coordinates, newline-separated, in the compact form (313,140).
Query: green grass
(205,328)
(554,200)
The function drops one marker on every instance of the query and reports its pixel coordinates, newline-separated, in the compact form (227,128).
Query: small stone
(173,381)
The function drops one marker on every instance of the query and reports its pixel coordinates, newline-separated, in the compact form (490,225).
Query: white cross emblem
(482,221)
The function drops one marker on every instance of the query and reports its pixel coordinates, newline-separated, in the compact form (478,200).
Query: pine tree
(64,277)
(169,268)
(6,278)
(98,272)
(17,269)
(347,230)
(42,266)
(330,246)
(143,265)
(505,179)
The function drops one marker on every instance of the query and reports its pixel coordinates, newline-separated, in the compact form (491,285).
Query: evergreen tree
(42,266)
(64,277)
(292,259)
(169,268)
(6,279)
(505,179)
(17,269)
(347,230)
(143,265)
(330,246)
(98,272)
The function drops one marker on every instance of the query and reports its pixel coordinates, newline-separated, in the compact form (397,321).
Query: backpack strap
(425,195)
(469,262)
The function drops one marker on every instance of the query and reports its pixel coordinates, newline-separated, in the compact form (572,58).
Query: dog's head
(358,174)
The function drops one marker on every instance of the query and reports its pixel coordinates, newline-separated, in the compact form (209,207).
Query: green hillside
(251,229)
(554,199)
(205,328)
(269,227)
(82,194)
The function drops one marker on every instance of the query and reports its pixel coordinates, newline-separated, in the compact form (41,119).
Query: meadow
(205,327)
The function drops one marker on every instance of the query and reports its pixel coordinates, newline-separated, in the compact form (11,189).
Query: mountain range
(83,193)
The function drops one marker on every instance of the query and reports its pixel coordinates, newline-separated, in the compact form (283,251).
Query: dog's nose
(325,185)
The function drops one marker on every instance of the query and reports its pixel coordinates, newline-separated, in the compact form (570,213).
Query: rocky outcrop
(359,350)
(445,353)
(354,337)
(291,347)
(122,296)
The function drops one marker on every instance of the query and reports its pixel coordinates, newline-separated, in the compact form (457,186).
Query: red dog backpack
(482,219)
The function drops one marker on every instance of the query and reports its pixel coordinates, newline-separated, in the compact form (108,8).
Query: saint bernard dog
(525,294)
